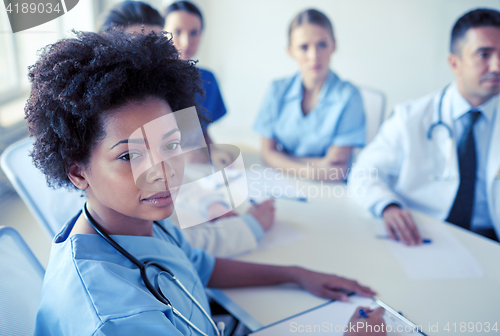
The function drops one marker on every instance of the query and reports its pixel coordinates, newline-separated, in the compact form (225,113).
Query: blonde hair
(311,16)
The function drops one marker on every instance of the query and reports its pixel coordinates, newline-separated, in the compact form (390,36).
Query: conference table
(340,238)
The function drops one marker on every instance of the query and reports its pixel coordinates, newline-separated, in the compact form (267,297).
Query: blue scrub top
(91,289)
(213,101)
(338,119)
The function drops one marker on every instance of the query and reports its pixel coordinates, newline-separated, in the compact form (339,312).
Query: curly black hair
(76,81)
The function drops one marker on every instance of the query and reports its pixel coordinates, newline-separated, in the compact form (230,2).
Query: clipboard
(333,318)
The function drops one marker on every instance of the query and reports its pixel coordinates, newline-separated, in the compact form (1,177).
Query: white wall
(397,46)
(30,41)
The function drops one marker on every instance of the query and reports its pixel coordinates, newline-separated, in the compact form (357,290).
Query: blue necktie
(461,211)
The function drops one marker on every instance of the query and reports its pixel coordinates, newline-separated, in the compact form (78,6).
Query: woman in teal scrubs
(101,111)
(312,120)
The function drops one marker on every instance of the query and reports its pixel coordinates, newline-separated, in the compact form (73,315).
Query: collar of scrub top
(460,106)
(296,88)
(156,292)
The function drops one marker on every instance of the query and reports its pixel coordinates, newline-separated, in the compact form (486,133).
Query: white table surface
(340,239)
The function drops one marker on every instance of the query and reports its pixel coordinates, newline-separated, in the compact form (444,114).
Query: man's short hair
(481,17)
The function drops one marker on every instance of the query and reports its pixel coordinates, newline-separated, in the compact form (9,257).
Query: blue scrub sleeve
(202,261)
(267,115)
(213,98)
(351,128)
(145,323)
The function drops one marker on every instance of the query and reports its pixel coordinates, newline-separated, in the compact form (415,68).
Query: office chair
(374,104)
(21,278)
(52,208)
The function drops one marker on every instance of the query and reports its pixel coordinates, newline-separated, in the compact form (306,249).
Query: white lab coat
(223,238)
(405,162)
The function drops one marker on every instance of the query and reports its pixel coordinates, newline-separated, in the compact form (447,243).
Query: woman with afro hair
(225,233)
(100,105)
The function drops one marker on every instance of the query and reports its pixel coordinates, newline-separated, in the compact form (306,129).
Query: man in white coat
(440,154)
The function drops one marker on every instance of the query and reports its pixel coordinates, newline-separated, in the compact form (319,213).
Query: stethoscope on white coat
(449,143)
(157,293)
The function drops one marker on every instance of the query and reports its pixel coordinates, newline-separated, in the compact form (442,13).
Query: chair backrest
(21,279)
(52,208)
(374,103)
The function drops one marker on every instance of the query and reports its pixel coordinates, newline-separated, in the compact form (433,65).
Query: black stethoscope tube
(157,293)
(142,266)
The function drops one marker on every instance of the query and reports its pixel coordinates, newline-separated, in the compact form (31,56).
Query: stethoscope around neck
(440,117)
(155,290)
(446,174)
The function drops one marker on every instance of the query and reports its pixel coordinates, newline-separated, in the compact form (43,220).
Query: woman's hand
(325,169)
(332,167)
(232,273)
(375,318)
(264,213)
(330,286)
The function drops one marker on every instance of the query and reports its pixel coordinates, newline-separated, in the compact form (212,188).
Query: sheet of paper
(280,234)
(333,319)
(445,258)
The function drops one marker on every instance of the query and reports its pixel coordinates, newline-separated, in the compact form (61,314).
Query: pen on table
(363,313)
(424,240)
(298,199)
